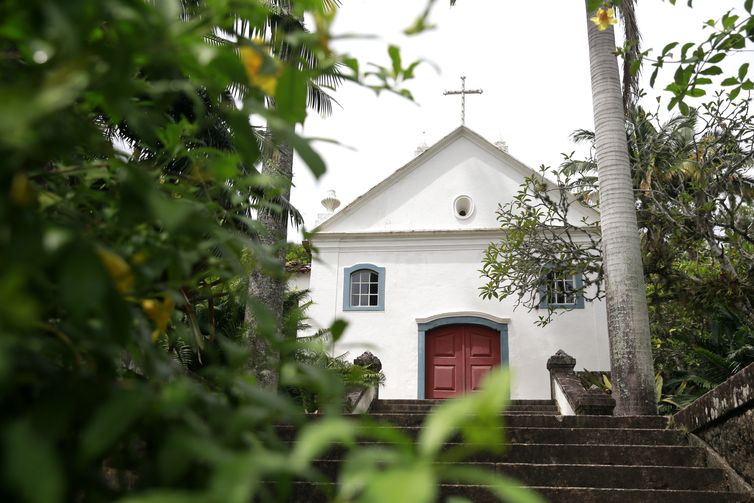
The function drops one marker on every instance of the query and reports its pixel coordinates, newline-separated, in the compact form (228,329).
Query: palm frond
(319,100)
(582,136)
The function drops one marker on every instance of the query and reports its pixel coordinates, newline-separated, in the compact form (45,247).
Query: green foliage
(298,254)
(600,380)
(313,353)
(413,470)
(694,192)
(129,167)
(541,235)
(697,65)
(667,401)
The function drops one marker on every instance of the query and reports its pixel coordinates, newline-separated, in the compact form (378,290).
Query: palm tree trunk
(627,317)
(268,290)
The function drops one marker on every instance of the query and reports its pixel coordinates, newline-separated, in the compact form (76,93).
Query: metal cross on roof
(463,92)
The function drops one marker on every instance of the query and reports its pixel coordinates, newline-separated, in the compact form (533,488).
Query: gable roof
(453,136)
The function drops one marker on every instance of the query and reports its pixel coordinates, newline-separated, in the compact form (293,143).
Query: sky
(529,58)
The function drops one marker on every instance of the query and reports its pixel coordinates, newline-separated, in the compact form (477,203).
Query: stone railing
(360,398)
(723,420)
(569,393)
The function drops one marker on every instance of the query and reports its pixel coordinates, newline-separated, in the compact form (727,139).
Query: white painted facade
(431,257)
(298,281)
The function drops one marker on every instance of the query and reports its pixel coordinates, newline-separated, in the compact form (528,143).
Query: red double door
(458,357)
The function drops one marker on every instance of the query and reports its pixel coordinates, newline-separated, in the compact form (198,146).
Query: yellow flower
(253,61)
(20,189)
(604,18)
(117,268)
(139,258)
(159,312)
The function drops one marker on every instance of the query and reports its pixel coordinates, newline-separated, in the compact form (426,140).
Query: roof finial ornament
(331,203)
(463,92)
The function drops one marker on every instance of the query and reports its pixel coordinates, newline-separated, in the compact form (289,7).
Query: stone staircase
(570,459)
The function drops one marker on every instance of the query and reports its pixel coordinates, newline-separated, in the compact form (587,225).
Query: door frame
(497,324)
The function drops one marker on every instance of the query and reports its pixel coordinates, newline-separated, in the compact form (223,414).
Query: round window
(463,207)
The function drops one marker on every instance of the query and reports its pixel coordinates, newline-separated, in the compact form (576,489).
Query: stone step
(542,420)
(479,494)
(588,476)
(307,492)
(576,454)
(584,436)
(615,476)
(416,407)
(401,401)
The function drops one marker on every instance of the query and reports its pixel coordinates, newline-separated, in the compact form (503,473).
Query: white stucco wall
(298,281)
(420,197)
(431,258)
(434,275)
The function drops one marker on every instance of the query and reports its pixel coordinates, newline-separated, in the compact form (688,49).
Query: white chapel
(401,265)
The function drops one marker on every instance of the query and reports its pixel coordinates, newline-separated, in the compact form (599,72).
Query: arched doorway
(456,352)
(458,358)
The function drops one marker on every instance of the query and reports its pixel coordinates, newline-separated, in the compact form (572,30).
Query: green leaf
(682,75)
(338,328)
(395,58)
(712,70)
(742,71)
(634,67)
(503,487)
(244,138)
(685,48)
(476,414)
(668,48)
(353,64)
(408,73)
(172,213)
(729,20)
(593,5)
(82,280)
(32,467)
(696,92)
(734,93)
(444,421)
(415,483)
(717,58)
(111,420)
(748,5)
(302,147)
(165,496)
(606,383)
(730,81)
(290,95)
(734,41)
(318,436)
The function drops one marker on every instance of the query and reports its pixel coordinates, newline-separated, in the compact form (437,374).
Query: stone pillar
(559,363)
(368,360)
(361,399)
(582,401)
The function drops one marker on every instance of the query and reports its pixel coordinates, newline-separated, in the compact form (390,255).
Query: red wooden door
(458,357)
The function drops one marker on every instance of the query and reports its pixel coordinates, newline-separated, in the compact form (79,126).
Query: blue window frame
(562,291)
(364,288)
